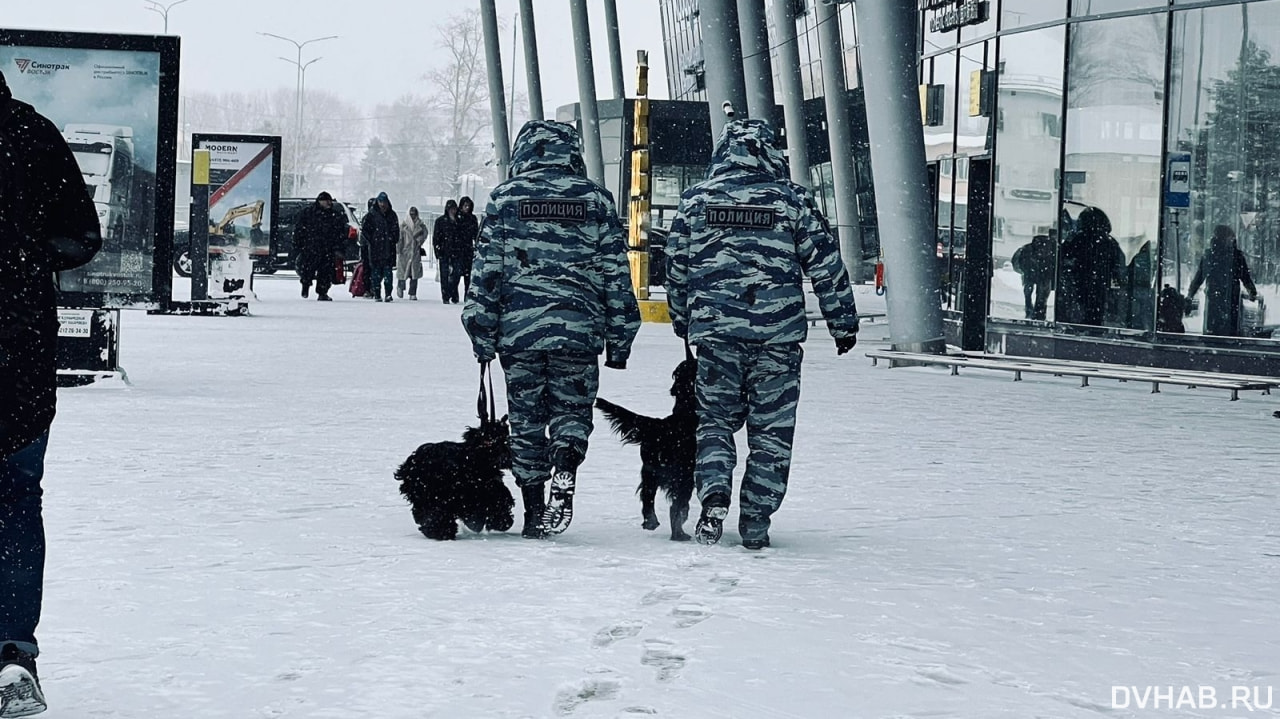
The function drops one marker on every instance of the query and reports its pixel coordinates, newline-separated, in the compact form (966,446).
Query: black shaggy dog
(450,481)
(668,448)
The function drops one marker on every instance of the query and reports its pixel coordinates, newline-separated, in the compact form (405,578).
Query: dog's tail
(632,428)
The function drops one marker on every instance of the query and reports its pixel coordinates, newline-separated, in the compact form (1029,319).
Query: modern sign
(951,14)
(244,191)
(1177,191)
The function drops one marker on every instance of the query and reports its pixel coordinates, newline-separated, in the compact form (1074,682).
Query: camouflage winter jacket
(742,241)
(550,271)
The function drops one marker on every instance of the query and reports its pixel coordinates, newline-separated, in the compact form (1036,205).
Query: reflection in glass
(1095,7)
(1115,117)
(1225,98)
(1021,13)
(940,140)
(1028,149)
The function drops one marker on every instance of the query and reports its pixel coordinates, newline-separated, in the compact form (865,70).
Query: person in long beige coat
(413,235)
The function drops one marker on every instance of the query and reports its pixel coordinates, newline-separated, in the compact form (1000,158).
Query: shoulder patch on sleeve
(553,210)
(741,216)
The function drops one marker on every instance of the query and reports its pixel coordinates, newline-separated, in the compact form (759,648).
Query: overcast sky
(383,49)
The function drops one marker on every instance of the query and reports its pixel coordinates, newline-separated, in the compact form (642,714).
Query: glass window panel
(1115,97)
(1225,99)
(1021,13)
(940,140)
(946,228)
(982,29)
(1028,149)
(1094,7)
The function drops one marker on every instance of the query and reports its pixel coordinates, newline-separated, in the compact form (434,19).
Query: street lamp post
(163,10)
(300,86)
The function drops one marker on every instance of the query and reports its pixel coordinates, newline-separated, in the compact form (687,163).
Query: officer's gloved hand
(844,344)
(615,364)
(483,360)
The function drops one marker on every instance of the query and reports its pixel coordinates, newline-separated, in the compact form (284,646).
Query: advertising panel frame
(276,143)
(167,50)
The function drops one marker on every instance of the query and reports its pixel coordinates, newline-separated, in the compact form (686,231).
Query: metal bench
(1086,371)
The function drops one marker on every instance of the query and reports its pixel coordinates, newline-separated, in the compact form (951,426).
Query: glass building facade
(686,73)
(1131,149)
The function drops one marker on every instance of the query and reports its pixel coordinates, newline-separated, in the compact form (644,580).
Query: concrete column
(615,49)
(591,151)
(902,188)
(533,76)
(497,88)
(722,54)
(791,89)
(757,67)
(840,138)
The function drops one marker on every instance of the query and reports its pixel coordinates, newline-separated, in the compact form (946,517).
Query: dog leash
(485,408)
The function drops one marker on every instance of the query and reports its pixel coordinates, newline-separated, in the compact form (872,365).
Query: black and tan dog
(450,481)
(668,449)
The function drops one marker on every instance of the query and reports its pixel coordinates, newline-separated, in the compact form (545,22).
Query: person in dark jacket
(1222,270)
(465,249)
(1089,261)
(444,240)
(47,224)
(318,239)
(382,235)
(1037,262)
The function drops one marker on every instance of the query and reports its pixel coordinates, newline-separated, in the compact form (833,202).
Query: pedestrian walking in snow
(444,240)
(550,291)
(465,249)
(1037,262)
(413,235)
(318,238)
(47,224)
(382,235)
(1089,261)
(739,247)
(1222,270)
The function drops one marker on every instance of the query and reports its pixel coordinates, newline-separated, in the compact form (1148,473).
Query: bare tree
(461,97)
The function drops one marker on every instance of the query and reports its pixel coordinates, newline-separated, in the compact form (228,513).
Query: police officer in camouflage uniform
(550,290)
(738,249)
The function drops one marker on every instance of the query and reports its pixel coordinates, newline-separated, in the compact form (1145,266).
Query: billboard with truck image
(114,97)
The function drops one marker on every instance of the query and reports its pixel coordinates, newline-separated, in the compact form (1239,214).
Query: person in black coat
(1037,262)
(47,224)
(318,238)
(1222,270)
(444,240)
(465,249)
(1089,261)
(381,235)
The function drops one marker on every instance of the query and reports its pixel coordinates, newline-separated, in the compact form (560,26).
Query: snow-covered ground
(226,540)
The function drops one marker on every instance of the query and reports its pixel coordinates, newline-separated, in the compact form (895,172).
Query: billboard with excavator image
(244,191)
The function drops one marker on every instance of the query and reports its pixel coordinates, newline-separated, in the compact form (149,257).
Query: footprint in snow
(663,656)
(616,632)
(572,696)
(726,581)
(688,615)
(661,594)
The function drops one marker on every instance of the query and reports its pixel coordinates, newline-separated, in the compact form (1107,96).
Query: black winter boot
(564,479)
(533,496)
(711,524)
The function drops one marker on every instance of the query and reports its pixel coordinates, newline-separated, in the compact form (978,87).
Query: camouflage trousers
(549,402)
(756,384)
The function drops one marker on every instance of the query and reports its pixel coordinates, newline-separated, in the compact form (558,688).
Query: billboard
(115,98)
(244,191)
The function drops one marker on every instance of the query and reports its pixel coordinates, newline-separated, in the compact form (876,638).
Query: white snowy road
(226,540)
